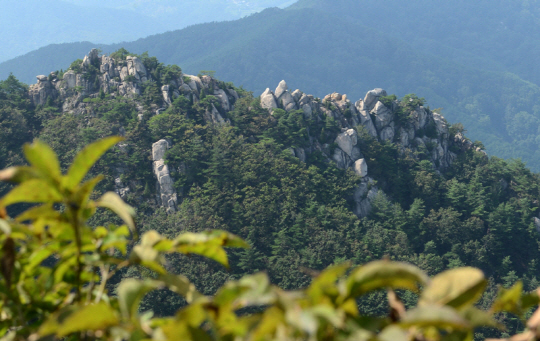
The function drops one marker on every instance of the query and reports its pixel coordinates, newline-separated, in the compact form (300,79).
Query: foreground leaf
(113,202)
(385,274)
(43,158)
(80,319)
(86,159)
(456,287)
(32,191)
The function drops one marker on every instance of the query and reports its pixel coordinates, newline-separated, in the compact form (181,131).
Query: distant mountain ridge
(325,50)
(32,24)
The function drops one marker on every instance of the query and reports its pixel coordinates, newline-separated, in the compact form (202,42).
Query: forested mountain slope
(322,52)
(307,181)
(501,35)
(32,24)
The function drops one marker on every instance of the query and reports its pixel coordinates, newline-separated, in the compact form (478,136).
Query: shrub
(55,270)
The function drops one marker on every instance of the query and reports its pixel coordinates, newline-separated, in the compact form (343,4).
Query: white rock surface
(361,167)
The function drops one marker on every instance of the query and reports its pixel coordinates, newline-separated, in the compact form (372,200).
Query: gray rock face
(40,92)
(363,196)
(420,117)
(287,101)
(166,194)
(360,167)
(166,95)
(387,134)
(223,99)
(341,159)
(383,116)
(372,97)
(136,68)
(347,140)
(281,88)
(268,101)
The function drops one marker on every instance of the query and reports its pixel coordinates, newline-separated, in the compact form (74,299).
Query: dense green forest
(482,71)
(240,176)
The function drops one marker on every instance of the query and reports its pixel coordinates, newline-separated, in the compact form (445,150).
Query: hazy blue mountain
(320,50)
(486,34)
(31,24)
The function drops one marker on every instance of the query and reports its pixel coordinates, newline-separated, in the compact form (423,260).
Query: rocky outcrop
(421,132)
(166,194)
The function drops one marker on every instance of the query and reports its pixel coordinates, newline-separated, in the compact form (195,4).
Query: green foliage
(55,271)
(76,66)
(120,54)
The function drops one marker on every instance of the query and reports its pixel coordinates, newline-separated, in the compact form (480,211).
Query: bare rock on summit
(287,101)
(281,88)
(268,101)
(372,97)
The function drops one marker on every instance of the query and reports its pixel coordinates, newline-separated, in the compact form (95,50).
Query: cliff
(410,126)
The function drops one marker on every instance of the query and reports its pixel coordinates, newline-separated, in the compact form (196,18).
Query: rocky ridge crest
(416,129)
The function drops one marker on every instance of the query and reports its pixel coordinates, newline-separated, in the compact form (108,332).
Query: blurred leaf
(43,158)
(8,260)
(32,191)
(437,316)
(147,256)
(182,286)
(86,159)
(83,193)
(77,319)
(217,237)
(326,281)
(479,318)
(46,211)
(5,227)
(250,290)
(509,299)
(393,333)
(384,274)
(456,287)
(113,202)
(18,174)
(130,292)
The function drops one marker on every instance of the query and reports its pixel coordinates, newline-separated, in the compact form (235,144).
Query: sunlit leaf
(46,211)
(18,174)
(219,237)
(479,318)
(5,227)
(130,292)
(455,287)
(113,202)
(326,281)
(86,159)
(43,158)
(250,290)
(182,286)
(434,316)
(393,333)
(83,318)
(83,193)
(509,299)
(32,191)
(385,274)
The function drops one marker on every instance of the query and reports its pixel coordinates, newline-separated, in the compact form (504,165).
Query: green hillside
(321,52)
(284,179)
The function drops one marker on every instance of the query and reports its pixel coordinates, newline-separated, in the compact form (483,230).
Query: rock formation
(165,192)
(422,131)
